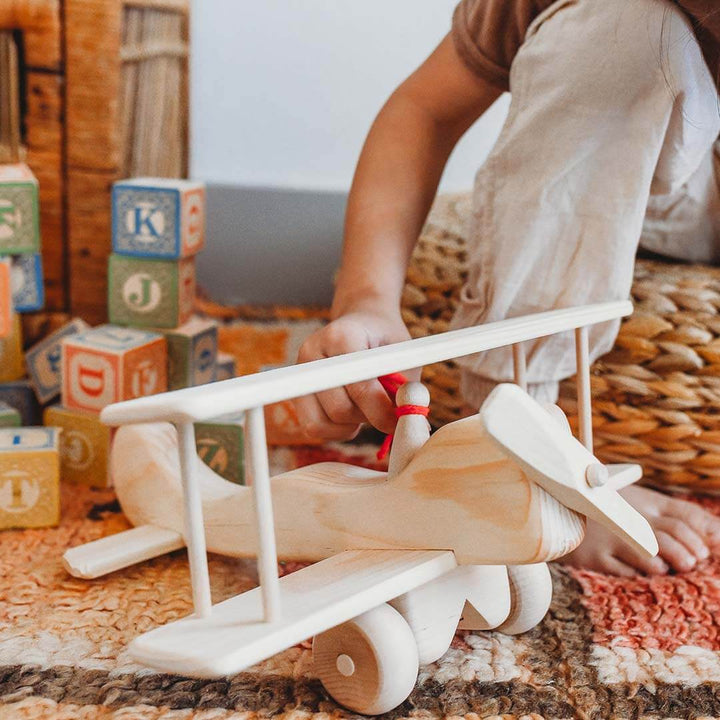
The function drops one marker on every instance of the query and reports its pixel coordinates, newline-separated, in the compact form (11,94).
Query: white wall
(284,91)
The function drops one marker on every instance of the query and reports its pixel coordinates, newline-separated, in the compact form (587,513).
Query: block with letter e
(43,360)
(84,445)
(192,353)
(19,215)
(150,293)
(158,217)
(29,477)
(109,363)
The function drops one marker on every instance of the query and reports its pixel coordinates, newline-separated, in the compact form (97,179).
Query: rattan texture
(656,395)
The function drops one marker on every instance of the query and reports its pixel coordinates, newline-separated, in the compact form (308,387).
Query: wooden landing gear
(370,663)
(530,597)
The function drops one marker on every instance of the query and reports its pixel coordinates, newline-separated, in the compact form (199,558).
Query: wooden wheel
(530,596)
(368,664)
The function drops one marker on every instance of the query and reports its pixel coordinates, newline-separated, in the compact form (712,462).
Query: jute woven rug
(609,648)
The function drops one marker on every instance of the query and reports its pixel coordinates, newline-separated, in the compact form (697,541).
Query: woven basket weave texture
(656,395)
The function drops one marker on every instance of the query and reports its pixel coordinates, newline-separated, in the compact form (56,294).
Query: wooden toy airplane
(456,533)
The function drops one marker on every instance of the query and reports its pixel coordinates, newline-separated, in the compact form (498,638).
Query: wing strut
(194,527)
(582,355)
(260,474)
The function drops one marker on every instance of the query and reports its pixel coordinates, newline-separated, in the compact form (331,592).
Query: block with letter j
(150,293)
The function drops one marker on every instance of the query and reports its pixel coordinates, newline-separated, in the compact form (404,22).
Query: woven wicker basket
(656,395)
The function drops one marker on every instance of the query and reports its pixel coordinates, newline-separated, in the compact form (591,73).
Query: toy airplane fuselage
(408,556)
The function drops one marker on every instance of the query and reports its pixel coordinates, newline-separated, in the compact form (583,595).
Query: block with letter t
(150,293)
(109,363)
(158,217)
(29,477)
(19,215)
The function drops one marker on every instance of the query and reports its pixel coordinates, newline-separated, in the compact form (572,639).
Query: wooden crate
(103,96)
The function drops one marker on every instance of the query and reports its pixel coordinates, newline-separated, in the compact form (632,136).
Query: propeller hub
(596,475)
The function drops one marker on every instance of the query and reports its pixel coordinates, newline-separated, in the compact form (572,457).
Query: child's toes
(674,553)
(696,517)
(641,563)
(683,533)
(614,566)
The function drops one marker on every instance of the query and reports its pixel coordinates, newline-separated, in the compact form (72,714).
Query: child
(609,137)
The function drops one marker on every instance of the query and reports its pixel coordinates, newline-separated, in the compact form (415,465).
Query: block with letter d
(158,217)
(150,293)
(29,477)
(109,363)
(19,215)
(84,446)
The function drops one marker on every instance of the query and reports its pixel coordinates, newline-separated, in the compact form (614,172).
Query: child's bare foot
(685,532)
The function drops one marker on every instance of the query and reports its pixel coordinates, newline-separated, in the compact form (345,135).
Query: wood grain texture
(93,146)
(40,23)
(314,599)
(119,551)
(44,142)
(368,664)
(459,492)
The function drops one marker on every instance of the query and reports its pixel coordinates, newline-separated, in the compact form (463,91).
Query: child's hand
(338,413)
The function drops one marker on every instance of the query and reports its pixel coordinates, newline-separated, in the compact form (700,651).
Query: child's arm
(395,182)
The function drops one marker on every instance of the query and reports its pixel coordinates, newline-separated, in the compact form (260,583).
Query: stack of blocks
(21,286)
(153,344)
(99,366)
(158,228)
(29,458)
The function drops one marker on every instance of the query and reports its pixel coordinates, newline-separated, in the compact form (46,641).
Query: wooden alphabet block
(6,302)
(43,361)
(28,292)
(11,357)
(19,216)
(109,363)
(150,293)
(158,217)
(84,446)
(29,477)
(225,367)
(192,353)
(21,396)
(220,446)
(9,416)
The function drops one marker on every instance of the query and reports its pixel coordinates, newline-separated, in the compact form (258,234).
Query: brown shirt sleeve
(488,33)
